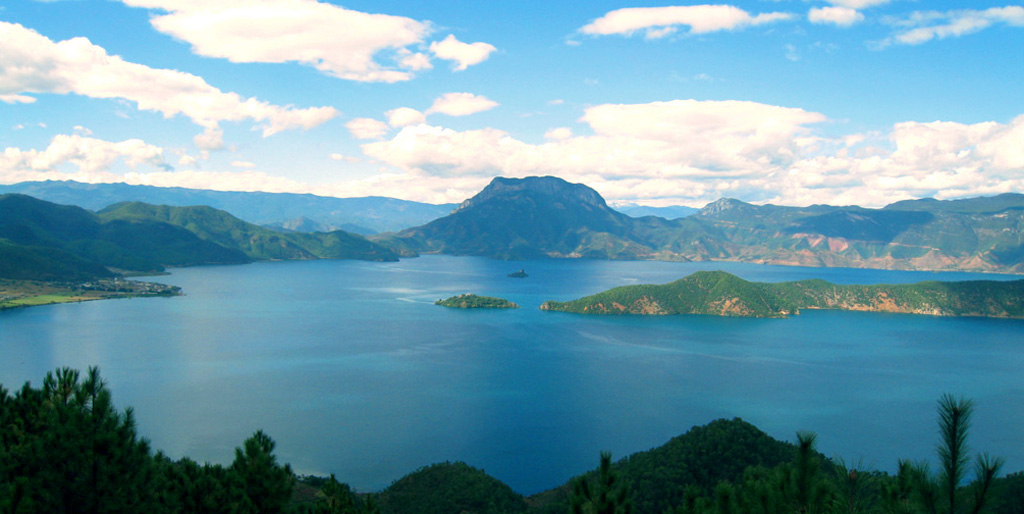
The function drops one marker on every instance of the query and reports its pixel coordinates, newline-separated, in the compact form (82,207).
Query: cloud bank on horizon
(840,101)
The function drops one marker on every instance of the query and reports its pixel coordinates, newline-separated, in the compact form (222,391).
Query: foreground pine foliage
(65,448)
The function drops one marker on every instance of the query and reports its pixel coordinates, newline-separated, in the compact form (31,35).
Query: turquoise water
(353,371)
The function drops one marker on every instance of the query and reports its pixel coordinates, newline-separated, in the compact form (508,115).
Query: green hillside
(255,242)
(450,487)
(47,241)
(723,294)
(18,262)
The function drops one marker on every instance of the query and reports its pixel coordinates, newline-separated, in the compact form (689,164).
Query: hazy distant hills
(46,241)
(548,217)
(670,212)
(304,213)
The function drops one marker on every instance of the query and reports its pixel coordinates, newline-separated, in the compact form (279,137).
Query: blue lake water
(352,370)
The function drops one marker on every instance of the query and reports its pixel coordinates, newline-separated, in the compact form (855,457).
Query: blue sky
(788,101)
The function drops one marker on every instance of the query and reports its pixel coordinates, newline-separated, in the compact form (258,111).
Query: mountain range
(286,211)
(40,240)
(547,217)
(528,218)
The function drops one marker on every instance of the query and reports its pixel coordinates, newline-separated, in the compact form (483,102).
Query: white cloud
(187,160)
(923,26)
(345,158)
(367,128)
(210,140)
(242,164)
(558,134)
(461,104)
(682,138)
(217,181)
(17,99)
(858,4)
(840,16)
(658,22)
(340,42)
(693,152)
(32,63)
(403,116)
(88,155)
(463,54)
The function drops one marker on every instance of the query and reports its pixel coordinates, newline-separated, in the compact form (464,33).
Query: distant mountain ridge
(40,240)
(301,212)
(539,217)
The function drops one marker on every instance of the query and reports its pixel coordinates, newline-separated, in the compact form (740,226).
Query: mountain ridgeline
(286,211)
(539,217)
(723,294)
(40,240)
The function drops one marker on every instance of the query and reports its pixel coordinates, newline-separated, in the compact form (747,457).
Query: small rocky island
(518,274)
(472,301)
(722,294)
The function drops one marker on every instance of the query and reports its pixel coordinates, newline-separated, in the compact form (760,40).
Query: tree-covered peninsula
(472,301)
(723,294)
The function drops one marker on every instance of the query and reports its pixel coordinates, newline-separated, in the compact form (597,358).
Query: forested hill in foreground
(723,294)
(49,462)
(40,240)
(538,217)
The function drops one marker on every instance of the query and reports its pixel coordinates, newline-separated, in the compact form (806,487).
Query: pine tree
(610,496)
(939,495)
(267,485)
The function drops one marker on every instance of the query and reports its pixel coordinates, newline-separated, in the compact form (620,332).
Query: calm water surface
(353,371)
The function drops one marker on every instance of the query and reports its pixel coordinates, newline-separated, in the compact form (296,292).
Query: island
(518,274)
(472,301)
(30,293)
(723,294)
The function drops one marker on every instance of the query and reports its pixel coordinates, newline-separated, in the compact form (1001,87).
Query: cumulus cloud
(558,134)
(339,42)
(678,139)
(923,26)
(461,104)
(16,99)
(693,152)
(858,4)
(88,155)
(345,158)
(32,63)
(462,54)
(367,128)
(841,16)
(403,116)
(658,22)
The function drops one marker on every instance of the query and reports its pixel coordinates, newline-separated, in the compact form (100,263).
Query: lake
(352,370)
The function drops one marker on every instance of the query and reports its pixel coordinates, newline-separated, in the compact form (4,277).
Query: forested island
(65,448)
(723,294)
(472,301)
